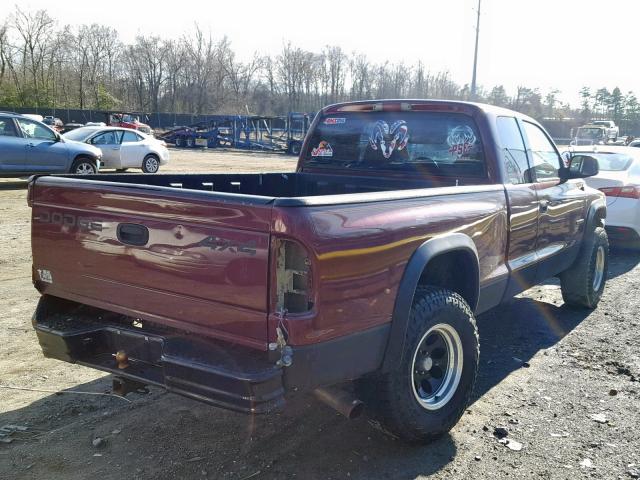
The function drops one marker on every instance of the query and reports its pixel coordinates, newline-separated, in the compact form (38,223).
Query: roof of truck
(484,107)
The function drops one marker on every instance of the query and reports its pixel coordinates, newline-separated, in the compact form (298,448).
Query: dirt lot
(545,372)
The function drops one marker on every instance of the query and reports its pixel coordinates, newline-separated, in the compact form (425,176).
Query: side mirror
(580,166)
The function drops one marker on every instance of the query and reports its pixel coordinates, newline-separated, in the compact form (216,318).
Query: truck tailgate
(193,260)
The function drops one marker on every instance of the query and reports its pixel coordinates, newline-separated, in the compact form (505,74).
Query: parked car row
(28,146)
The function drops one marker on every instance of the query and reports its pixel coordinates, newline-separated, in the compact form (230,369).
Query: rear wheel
(150,164)
(179,142)
(83,166)
(583,283)
(425,396)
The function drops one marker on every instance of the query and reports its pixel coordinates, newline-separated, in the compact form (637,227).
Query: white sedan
(123,148)
(619,179)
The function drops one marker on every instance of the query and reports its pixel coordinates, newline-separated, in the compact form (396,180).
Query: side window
(544,156)
(106,138)
(35,130)
(514,154)
(130,137)
(7,128)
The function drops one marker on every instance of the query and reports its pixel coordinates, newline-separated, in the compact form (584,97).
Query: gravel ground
(564,384)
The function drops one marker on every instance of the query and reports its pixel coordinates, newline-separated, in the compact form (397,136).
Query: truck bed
(271,185)
(193,251)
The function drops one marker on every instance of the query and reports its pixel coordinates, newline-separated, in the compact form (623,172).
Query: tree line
(43,64)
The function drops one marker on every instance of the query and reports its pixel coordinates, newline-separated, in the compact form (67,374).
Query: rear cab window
(431,143)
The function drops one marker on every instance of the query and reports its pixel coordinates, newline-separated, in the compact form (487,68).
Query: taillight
(293,278)
(629,191)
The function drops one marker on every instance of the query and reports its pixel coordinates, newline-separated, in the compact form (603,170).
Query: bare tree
(201,52)
(26,58)
(240,76)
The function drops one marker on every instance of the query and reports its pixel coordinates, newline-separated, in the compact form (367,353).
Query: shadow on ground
(513,333)
(162,435)
(622,260)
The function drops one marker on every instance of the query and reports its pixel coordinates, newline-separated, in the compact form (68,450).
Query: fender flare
(413,271)
(597,209)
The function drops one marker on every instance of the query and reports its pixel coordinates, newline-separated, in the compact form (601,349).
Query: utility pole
(475,56)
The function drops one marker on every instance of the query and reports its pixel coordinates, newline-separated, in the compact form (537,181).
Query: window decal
(334,121)
(387,140)
(322,150)
(461,140)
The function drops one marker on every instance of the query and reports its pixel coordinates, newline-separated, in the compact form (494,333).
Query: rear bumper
(221,374)
(232,377)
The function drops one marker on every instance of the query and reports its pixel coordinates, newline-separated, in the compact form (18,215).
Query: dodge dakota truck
(358,277)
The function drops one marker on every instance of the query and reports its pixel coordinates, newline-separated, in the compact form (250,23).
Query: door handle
(544,205)
(133,234)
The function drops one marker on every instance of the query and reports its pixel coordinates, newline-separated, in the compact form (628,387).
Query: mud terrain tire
(582,284)
(411,401)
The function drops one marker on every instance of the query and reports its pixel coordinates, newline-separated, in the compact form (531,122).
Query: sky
(563,44)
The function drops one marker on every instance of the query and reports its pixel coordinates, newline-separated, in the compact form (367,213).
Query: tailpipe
(340,400)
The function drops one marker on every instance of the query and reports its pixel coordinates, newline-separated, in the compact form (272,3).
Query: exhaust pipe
(340,400)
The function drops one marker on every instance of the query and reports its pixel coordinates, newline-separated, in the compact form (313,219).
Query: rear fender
(597,212)
(429,250)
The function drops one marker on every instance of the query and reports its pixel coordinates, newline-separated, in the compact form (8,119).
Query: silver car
(28,147)
(123,148)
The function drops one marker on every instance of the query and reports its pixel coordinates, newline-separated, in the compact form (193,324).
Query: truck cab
(590,135)
(612,130)
(127,120)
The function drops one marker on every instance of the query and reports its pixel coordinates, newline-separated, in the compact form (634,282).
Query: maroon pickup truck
(357,277)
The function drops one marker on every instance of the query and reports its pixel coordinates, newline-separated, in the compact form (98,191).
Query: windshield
(79,134)
(589,132)
(437,143)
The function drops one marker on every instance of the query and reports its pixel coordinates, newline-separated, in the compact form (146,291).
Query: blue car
(28,147)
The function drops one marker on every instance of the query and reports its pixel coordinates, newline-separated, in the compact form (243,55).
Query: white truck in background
(613,131)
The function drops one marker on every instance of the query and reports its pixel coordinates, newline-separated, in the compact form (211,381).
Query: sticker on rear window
(322,150)
(334,120)
(388,140)
(461,140)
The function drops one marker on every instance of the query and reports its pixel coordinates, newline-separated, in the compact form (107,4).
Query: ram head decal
(386,139)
